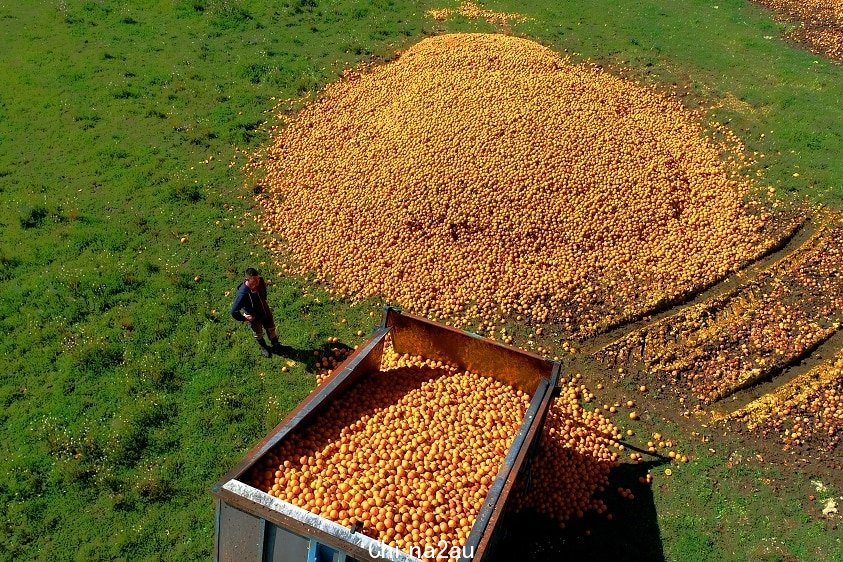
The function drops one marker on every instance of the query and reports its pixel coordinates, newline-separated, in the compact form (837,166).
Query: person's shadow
(311,357)
(632,533)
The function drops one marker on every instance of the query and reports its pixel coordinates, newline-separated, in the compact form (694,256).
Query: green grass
(750,511)
(123,396)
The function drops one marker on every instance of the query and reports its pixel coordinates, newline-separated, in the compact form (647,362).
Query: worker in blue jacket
(250,306)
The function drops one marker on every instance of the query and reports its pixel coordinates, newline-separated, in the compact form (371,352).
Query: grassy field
(126,388)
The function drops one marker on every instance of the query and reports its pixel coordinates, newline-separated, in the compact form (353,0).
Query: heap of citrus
(484,176)
(576,454)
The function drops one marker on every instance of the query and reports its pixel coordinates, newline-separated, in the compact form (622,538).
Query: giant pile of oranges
(733,341)
(482,176)
(410,453)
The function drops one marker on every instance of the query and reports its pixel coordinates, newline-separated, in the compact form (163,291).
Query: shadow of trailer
(252,525)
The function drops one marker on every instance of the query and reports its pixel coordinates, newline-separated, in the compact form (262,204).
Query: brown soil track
(663,404)
(792,234)
(775,376)
(801,233)
(692,426)
(819,354)
(724,295)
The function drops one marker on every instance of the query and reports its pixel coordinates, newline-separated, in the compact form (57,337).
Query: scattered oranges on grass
(820,23)
(481,176)
(472,10)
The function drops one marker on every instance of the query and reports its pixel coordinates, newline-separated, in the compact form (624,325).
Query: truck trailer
(254,526)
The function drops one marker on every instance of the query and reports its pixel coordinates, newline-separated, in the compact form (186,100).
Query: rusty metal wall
(419,336)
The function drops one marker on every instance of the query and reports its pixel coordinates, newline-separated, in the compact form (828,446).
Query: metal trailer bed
(252,525)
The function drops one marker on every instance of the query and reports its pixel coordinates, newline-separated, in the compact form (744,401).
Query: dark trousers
(259,324)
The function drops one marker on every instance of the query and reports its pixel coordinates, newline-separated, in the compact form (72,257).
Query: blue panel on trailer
(284,546)
(240,535)
(319,552)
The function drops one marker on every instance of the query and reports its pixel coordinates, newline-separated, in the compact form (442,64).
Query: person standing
(250,306)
